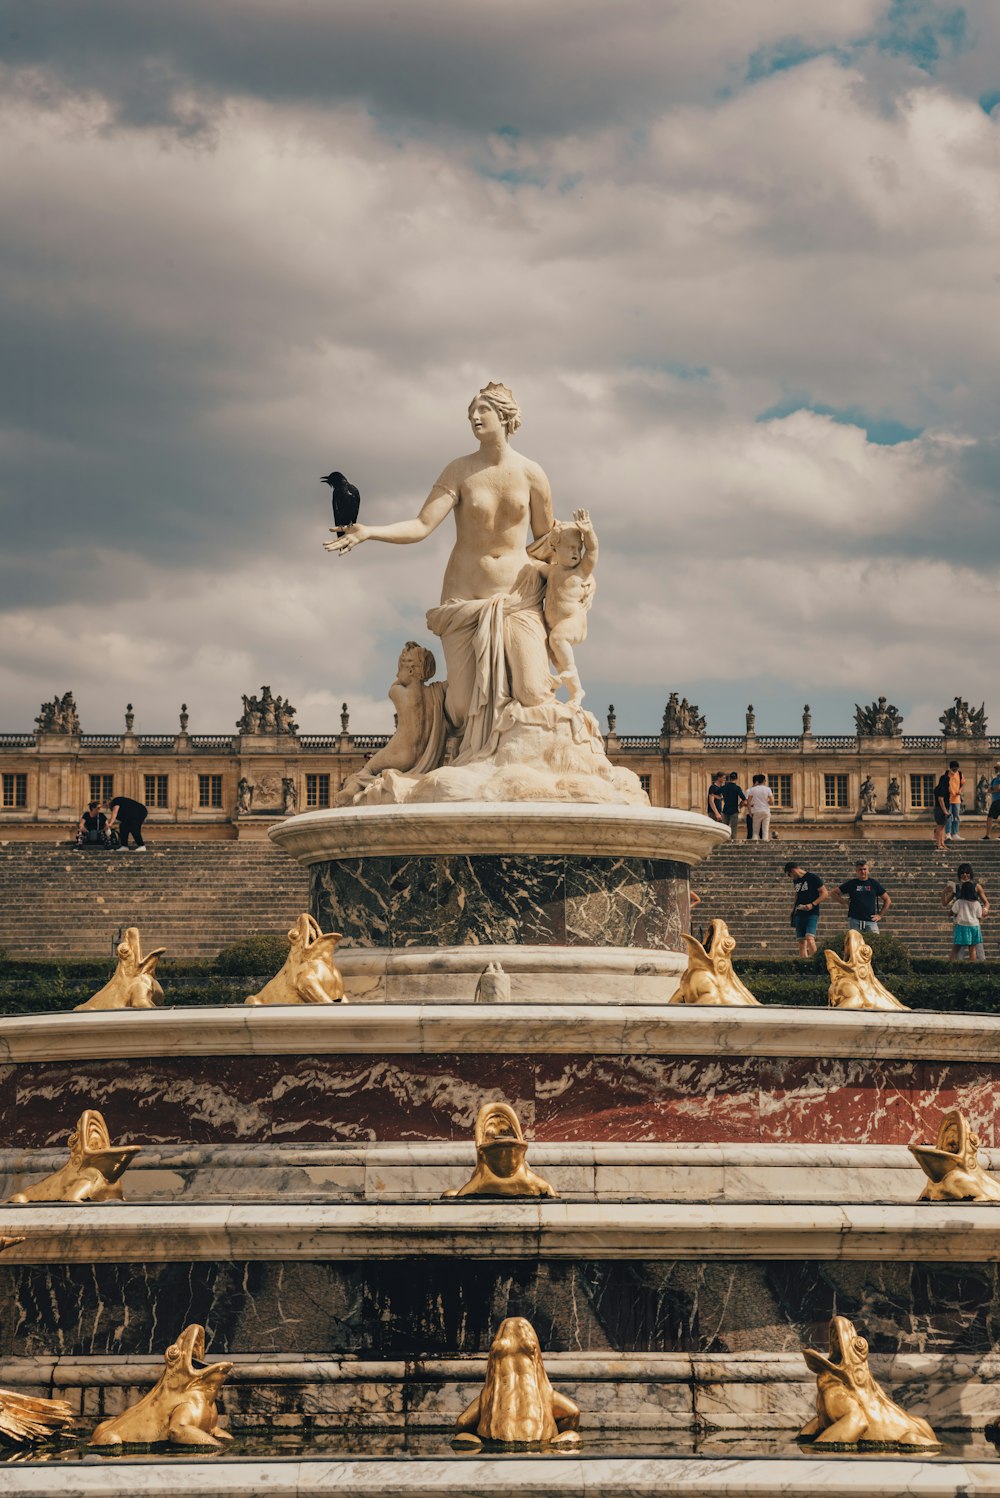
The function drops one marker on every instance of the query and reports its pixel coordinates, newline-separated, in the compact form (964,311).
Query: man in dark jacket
(130,816)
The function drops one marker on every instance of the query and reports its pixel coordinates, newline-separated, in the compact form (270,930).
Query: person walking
(810,892)
(867,901)
(733,797)
(950,893)
(993,814)
(942,792)
(956,780)
(968,912)
(714,803)
(130,816)
(759,803)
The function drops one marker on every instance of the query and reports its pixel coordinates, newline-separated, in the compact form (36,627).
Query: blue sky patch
(885,431)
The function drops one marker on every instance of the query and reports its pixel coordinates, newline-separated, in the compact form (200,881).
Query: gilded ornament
(952,1166)
(309,975)
(25,1419)
(9,1242)
(517,1405)
(851,1408)
(181,1408)
(134,984)
(853,984)
(501,1167)
(709,977)
(91,1174)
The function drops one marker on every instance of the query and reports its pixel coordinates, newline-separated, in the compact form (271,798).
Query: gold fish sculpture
(133,985)
(91,1174)
(952,1166)
(309,975)
(517,1405)
(181,1408)
(853,984)
(501,1166)
(851,1408)
(709,977)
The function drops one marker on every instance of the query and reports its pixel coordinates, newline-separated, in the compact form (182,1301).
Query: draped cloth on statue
(492,644)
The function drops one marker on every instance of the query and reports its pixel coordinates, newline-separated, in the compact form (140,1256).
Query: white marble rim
(187,1232)
(568,961)
(546,827)
(509,1029)
(565,1476)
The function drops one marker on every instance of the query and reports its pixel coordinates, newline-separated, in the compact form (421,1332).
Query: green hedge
(263,953)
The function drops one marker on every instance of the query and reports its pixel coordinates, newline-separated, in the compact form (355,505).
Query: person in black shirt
(92,826)
(810,892)
(733,797)
(130,815)
(866,899)
(714,806)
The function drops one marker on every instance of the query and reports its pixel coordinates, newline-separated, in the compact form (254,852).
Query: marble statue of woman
(500,695)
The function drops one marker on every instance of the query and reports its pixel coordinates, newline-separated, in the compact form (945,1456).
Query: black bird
(346,499)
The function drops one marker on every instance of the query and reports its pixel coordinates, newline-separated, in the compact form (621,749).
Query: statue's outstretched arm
(438,504)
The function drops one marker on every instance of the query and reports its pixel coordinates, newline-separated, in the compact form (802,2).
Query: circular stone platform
(514,874)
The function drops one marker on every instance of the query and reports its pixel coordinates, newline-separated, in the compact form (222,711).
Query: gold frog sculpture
(517,1405)
(91,1174)
(851,1408)
(501,1167)
(181,1408)
(853,984)
(134,984)
(25,1419)
(952,1166)
(709,977)
(309,975)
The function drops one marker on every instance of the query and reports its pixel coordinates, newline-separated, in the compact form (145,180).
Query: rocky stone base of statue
(552,752)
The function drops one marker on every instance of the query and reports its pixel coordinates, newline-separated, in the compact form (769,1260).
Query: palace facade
(869,784)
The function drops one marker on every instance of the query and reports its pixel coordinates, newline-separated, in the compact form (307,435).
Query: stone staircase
(191,898)
(744,884)
(194,898)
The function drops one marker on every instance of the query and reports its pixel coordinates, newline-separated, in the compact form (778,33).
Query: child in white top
(968,912)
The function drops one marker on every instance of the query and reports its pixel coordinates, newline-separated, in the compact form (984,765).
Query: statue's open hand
(582,519)
(346,539)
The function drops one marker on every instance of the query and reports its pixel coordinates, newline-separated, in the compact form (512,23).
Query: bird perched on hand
(346,499)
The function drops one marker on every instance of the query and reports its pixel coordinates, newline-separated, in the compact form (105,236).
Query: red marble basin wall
(436,1097)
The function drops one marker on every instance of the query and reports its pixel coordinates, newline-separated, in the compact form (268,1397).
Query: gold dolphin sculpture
(952,1166)
(133,985)
(517,1406)
(851,1408)
(853,984)
(309,974)
(91,1173)
(501,1167)
(709,977)
(181,1408)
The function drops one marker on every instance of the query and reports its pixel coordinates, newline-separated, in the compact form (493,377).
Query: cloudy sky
(740,263)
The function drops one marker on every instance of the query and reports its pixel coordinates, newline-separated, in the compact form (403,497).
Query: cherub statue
(567,557)
(418,743)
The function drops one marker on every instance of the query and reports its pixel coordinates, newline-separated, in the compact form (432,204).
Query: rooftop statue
(509,737)
(880,720)
(963,721)
(59,715)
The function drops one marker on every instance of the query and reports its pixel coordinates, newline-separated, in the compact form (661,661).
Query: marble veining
(377,1308)
(464,899)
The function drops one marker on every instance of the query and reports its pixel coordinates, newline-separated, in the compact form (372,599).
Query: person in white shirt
(759,803)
